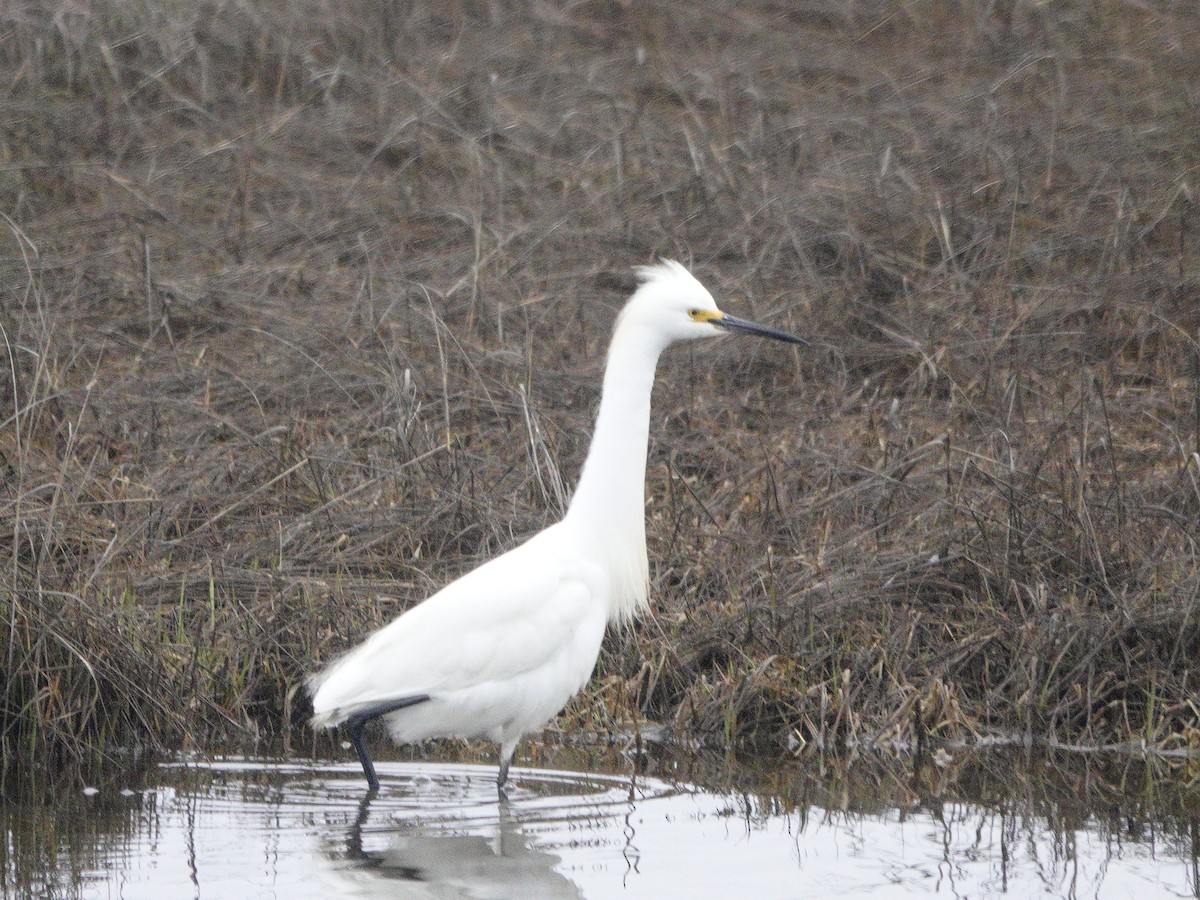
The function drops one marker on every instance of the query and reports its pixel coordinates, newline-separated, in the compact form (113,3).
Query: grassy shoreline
(304,309)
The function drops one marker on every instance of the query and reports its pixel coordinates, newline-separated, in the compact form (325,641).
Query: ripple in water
(236,827)
(433,830)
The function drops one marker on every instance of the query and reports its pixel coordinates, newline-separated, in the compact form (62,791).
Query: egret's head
(679,308)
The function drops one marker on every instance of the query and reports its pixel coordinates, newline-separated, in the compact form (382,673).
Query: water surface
(977,826)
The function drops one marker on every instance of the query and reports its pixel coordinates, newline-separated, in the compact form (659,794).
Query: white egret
(498,652)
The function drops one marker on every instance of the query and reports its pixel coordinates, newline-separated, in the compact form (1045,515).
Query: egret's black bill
(732,323)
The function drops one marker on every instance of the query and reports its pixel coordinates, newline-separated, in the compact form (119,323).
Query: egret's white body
(497,653)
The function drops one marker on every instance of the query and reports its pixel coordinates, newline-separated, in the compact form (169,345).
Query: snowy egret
(498,652)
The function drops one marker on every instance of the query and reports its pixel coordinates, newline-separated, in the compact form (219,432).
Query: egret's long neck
(609,505)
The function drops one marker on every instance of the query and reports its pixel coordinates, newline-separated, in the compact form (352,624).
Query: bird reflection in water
(448,864)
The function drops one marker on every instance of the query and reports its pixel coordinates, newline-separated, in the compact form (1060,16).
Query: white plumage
(498,652)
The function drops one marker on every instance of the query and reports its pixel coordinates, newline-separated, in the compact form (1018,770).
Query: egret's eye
(694,313)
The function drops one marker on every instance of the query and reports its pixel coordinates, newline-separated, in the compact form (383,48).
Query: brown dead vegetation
(304,308)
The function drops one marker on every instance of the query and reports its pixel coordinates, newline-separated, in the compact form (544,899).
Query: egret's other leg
(507,749)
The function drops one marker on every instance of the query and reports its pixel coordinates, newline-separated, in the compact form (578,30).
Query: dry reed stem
(304,307)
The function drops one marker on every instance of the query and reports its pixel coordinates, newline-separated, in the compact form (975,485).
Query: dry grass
(304,307)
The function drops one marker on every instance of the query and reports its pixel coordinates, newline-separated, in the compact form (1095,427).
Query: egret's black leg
(360,746)
(356,722)
(507,749)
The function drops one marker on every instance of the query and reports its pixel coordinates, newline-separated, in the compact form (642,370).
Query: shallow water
(977,826)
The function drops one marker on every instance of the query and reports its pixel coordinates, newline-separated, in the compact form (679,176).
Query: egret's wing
(504,618)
